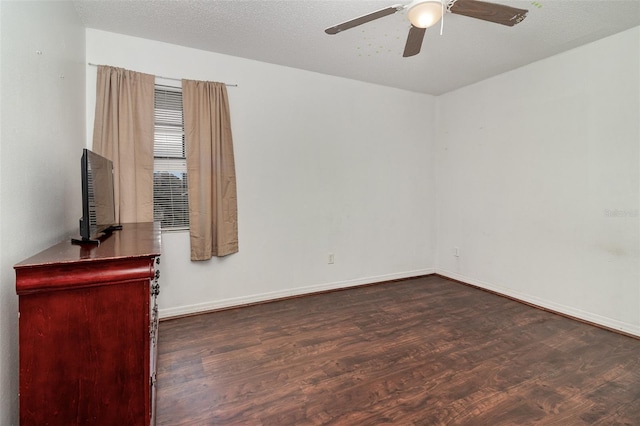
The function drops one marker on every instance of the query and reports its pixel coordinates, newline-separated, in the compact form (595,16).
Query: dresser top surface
(134,240)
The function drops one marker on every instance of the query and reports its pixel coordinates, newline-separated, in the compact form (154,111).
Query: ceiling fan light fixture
(425,14)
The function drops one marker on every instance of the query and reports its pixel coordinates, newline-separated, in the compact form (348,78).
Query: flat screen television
(98,203)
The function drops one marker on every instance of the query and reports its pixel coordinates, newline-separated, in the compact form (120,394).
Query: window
(170,202)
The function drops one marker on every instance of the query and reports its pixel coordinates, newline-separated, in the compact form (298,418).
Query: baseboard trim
(546,305)
(566,311)
(236,302)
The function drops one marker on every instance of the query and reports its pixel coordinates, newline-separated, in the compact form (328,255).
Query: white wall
(324,165)
(538,182)
(41,137)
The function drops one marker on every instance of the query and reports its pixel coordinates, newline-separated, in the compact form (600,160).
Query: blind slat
(170,201)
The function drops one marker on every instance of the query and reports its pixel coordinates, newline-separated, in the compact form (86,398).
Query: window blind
(170,201)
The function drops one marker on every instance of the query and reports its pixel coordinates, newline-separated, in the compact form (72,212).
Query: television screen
(98,205)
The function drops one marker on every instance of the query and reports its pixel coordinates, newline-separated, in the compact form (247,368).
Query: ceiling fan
(425,13)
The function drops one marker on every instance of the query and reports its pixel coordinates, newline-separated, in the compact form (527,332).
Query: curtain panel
(213,212)
(123,132)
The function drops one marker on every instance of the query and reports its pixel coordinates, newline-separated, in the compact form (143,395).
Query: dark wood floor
(426,351)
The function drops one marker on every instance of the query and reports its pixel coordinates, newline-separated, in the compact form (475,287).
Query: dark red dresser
(88,330)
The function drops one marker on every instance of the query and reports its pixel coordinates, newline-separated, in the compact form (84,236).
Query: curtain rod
(170,78)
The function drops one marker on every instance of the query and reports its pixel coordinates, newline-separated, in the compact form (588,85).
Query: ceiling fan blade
(414,41)
(364,19)
(492,12)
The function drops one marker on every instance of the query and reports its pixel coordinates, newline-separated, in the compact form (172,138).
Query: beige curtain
(213,213)
(123,133)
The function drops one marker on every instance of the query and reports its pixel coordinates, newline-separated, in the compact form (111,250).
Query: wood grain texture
(122,256)
(414,41)
(426,351)
(82,356)
(86,354)
(488,11)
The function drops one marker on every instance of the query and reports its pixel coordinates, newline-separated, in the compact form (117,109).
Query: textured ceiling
(291,33)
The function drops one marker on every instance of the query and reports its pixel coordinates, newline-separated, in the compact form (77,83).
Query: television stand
(88,324)
(90,241)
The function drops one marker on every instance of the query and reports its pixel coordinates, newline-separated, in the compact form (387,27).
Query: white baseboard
(298,291)
(546,304)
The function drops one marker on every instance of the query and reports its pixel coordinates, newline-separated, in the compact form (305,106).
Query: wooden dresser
(88,331)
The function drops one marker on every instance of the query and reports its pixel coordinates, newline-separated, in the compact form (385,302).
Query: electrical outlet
(331,259)
(456,252)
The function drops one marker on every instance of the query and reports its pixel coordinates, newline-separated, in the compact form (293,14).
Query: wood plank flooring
(425,351)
